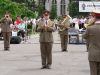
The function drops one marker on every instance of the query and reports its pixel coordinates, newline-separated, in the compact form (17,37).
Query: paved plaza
(25,59)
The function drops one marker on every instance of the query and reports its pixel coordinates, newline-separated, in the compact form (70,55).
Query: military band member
(46,27)
(92,35)
(89,23)
(6,30)
(63,31)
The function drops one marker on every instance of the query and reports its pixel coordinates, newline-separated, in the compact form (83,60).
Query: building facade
(62,5)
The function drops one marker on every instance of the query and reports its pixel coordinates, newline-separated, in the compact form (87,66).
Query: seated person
(0,32)
(15,39)
(14,32)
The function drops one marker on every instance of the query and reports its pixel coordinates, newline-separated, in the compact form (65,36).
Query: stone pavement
(24,59)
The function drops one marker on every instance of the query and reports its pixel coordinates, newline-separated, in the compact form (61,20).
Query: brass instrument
(90,22)
(62,26)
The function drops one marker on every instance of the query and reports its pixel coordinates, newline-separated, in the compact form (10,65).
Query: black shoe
(64,50)
(48,67)
(6,49)
(44,66)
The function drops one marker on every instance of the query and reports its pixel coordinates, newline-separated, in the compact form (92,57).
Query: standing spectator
(56,22)
(46,27)
(74,20)
(33,25)
(6,30)
(0,31)
(34,22)
(21,30)
(71,22)
(81,23)
(18,20)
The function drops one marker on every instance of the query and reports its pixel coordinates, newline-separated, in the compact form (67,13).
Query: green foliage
(15,9)
(19,1)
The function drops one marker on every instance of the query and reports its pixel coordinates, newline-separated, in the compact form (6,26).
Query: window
(63,7)
(41,1)
(54,2)
(47,0)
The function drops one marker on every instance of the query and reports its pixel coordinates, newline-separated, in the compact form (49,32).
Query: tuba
(62,25)
(90,22)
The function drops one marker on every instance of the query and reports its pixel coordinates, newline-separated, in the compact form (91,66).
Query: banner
(89,6)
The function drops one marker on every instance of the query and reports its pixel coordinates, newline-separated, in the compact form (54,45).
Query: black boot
(43,67)
(64,50)
(48,67)
(6,49)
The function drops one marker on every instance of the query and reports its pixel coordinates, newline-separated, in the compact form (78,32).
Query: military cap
(46,12)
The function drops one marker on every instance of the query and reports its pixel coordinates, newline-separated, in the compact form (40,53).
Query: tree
(19,1)
(14,8)
(29,3)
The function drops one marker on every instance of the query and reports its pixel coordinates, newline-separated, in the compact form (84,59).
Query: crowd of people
(20,26)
